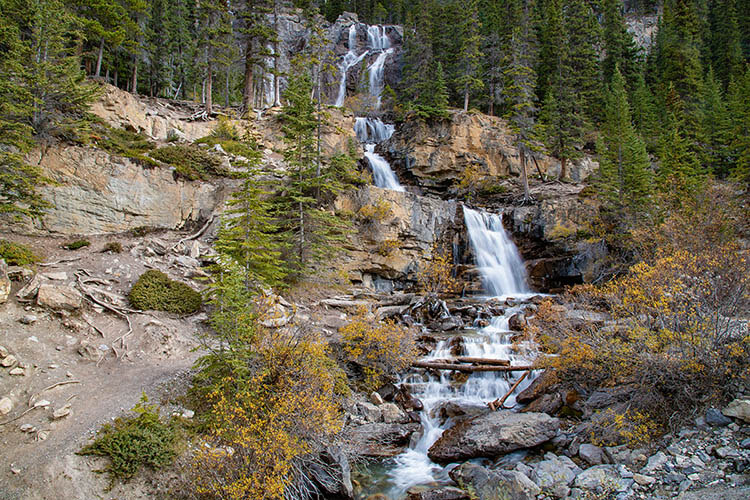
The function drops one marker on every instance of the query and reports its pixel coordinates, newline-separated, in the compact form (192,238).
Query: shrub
(141,231)
(385,248)
(112,247)
(382,348)
(133,442)
(437,277)
(16,254)
(190,162)
(75,245)
(155,291)
(377,212)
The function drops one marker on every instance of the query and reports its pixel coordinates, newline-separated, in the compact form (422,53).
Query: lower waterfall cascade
(504,277)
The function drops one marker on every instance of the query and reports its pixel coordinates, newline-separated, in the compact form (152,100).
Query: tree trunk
(483,361)
(226,88)
(563,168)
(524,174)
(99,58)
(209,90)
(491,111)
(470,368)
(276,76)
(134,84)
(466,99)
(247,89)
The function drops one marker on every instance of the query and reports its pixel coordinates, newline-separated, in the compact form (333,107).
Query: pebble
(5,406)
(14,470)
(28,319)
(27,428)
(41,403)
(8,361)
(33,338)
(61,412)
(188,414)
(3,352)
(42,435)
(17,371)
(643,480)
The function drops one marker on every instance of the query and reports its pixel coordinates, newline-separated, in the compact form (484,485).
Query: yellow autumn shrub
(437,276)
(381,348)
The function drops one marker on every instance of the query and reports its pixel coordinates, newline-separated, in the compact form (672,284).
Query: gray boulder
(592,455)
(606,477)
(445,493)
(59,297)
(493,434)
(715,418)
(739,408)
(493,484)
(554,476)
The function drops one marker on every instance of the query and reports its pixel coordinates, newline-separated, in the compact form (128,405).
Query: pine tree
(619,48)
(157,40)
(181,25)
(520,81)
(645,115)
(739,110)
(470,56)
(214,41)
(716,125)
(584,38)
(439,104)
(257,34)
(724,41)
(624,180)
(18,179)
(247,231)
(417,59)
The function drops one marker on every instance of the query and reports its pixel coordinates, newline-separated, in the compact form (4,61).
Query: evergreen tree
(715,127)
(257,34)
(470,56)
(520,81)
(181,26)
(414,86)
(18,179)
(439,94)
(724,40)
(739,110)
(247,232)
(645,114)
(619,48)
(624,180)
(214,41)
(584,38)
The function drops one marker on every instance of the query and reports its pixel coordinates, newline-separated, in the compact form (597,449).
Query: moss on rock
(155,291)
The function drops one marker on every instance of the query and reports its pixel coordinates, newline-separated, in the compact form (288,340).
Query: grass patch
(142,231)
(75,245)
(133,442)
(191,162)
(16,254)
(155,291)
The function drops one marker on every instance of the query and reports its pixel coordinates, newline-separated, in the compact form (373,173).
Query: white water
(503,272)
(372,130)
(381,170)
(350,59)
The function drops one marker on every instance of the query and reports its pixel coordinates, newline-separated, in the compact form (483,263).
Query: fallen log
(471,368)
(500,403)
(483,361)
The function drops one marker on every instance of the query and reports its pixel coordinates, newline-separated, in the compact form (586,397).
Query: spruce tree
(215,41)
(470,56)
(739,110)
(716,125)
(725,40)
(645,113)
(417,59)
(439,94)
(584,39)
(624,180)
(619,48)
(257,34)
(247,231)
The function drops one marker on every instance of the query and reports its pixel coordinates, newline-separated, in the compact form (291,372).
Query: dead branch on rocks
(500,403)
(194,236)
(470,368)
(122,312)
(483,361)
(61,261)
(58,384)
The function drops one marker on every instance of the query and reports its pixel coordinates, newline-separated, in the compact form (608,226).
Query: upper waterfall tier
(498,259)
(372,130)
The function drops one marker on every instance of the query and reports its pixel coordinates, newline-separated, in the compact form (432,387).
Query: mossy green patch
(75,245)
(191,162)
(16,254)
(155,291)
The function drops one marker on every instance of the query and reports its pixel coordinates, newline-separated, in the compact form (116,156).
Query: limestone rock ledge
(97,193)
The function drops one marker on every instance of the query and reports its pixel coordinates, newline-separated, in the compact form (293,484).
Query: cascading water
(504,275)
(350,59)
(381,170)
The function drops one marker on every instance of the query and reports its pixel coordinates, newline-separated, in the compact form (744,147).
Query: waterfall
(372,130)
(381,170)
(376,71)
(503,271)
(502,268)
(350,59)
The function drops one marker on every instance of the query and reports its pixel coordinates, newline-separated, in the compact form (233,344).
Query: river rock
(4,282)
(739,408)
(715,418)
(5,406)
(30,289)
(380,439)
(605,476)
(554,475)
(369,411)
(333,479)
(59,297)
(494,484)
(517,322)
(538,387)
(392,414)
(592,455)
(549,403)
(446,493)
(495,433)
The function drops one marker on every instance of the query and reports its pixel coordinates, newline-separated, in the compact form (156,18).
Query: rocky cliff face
(97,193)
(436,155)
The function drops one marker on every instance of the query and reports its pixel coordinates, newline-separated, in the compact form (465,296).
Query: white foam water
(381,170)
(350,59)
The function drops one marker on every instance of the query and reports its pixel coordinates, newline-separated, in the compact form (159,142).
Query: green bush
(155,291)
(141,231)
(190,161)
(75,245)
(112,247)
(16,254)
(134,442)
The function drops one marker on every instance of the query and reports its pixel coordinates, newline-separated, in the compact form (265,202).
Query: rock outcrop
(493,434)
(398,232)
(494,484)
(95,193)
(437,155)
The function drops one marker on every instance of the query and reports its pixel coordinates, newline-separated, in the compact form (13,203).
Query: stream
(504,277)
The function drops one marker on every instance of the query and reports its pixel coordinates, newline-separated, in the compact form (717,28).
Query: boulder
(4,282)
(392,414)
(549,404)
(493,434)
(30,289)
(739,408)
(494,484)
(554,475)
(334,478)
(59,297)
(517,322)
(592,455)
(380,439)
(538,387)
(601,476)
(369,411)
(715,418)
(445,493)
